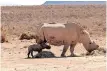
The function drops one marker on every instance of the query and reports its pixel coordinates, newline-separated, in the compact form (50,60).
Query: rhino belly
(55,41)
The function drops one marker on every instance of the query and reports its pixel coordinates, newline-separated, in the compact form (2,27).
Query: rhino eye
(90,43)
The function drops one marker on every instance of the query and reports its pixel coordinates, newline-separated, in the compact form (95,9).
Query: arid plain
(16,20)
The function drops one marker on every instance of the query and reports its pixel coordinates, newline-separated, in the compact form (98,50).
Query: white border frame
(1,1)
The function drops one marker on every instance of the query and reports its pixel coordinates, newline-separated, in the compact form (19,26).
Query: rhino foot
(63,55)
(73,55)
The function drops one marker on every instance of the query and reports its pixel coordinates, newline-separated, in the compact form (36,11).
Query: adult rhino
(65,34)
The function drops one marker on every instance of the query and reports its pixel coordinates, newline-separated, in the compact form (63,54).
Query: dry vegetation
(17,20)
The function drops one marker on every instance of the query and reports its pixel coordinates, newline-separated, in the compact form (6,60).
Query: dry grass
(20,19)
(26,36)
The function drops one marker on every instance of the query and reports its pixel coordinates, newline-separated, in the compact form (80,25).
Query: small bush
(3,39)
(25,36)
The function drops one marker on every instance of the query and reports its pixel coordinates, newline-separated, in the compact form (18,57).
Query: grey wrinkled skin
(38,48)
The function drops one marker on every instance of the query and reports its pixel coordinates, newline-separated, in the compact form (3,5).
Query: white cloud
(21,2)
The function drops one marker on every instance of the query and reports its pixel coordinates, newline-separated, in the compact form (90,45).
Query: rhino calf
(38,48)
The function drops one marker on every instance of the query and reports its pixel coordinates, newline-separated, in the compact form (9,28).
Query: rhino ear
(82,32)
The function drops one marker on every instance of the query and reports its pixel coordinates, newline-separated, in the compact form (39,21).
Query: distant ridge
(73,2)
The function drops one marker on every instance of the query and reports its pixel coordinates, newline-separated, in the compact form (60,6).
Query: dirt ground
(16,20)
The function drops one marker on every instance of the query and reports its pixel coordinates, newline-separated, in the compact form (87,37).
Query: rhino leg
(64,50)
(72,46)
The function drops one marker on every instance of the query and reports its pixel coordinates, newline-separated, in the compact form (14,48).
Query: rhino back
(60,32)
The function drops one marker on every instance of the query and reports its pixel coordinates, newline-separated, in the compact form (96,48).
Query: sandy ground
(14,58)
(18,20)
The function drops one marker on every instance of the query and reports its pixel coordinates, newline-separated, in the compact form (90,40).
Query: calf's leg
(28,53)
(32,54)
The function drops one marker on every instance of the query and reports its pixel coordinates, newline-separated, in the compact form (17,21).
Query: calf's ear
(45,40)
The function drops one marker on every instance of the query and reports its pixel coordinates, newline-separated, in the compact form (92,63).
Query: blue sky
(73,2)
(40,2)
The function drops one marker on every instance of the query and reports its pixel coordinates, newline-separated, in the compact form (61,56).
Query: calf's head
(45,46)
